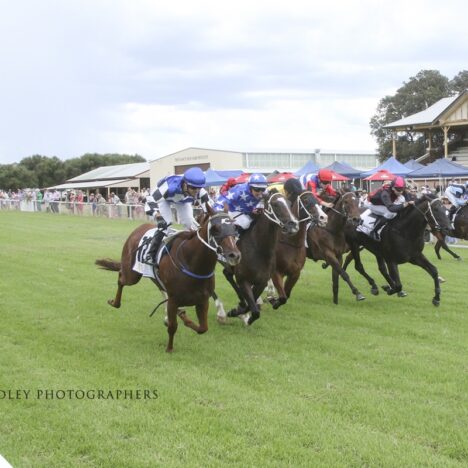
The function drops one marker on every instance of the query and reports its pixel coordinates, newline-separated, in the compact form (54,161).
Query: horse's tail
(108,264)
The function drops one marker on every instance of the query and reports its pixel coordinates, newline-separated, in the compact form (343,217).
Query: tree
(459,83)
(15,176)
(420,92)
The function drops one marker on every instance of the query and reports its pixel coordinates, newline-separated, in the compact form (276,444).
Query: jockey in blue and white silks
(243,200)
(456,194)
(179,192)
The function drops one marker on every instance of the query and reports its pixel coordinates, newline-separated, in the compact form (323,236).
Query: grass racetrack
(381,382)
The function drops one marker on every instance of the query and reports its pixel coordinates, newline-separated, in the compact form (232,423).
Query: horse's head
(278,211)
(308,208)
(221,235)
(348,205)
(435,213)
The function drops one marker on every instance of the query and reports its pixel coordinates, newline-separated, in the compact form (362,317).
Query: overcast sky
(153,77)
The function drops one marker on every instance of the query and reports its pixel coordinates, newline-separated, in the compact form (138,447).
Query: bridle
(301,206)
(269,212)
(343,213)
(212,241)
(437,225)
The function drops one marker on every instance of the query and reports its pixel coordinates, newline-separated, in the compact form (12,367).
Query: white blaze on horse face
(322,216)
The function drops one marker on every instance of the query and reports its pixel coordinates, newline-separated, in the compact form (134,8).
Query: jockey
(177,191)
(456,194)
(319,181)
(243,200)
(386,202)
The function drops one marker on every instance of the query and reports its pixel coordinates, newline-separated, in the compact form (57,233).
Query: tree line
(416,95)
(44,171)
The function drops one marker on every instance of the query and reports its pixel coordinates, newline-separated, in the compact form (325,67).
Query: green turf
(377,383)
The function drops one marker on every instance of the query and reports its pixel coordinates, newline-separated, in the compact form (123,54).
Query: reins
(270,212)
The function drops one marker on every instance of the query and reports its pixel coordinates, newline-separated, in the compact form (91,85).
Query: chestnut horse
(186,271)
(258,247)
(460,231)
(329,243)
(291,251)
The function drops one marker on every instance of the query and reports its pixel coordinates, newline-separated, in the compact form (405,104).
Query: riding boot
(379,222)
(154,246)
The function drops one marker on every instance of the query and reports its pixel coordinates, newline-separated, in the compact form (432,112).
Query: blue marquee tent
(392,165)
(344,169)
(213,178)
(440,168)
(413,165)
(309,167)
(228,174)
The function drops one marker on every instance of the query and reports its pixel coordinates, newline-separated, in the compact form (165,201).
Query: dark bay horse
(258,247)
(291,250)
(186,270)
(460,231)
(329,243)
(402,241)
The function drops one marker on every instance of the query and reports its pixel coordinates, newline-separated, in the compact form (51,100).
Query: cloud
(152,77)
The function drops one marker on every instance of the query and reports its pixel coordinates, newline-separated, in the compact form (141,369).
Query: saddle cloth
(145,269)
(368,220)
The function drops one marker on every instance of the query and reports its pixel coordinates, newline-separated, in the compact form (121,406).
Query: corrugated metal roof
(425,117)
(89,184)
(121,171)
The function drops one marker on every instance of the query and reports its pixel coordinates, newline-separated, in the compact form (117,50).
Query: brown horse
(329,243)
(291,251)
(258,246)
(460,231)
(186,271)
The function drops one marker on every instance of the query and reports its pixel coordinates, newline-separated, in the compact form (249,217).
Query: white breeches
(242,220)
(184,213)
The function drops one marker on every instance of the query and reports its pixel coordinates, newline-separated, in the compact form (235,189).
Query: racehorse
(186,270)
(329,243)
(291,250)
(402,241)
(460,231)
(258,246)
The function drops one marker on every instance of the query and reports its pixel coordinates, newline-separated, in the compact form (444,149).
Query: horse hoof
(360,297)
(272,300)
(459,259)
(111,303)
(386,287)
(252,318)
(375,291)
(169,350)
(233,313)
(222,319)
(436,302)
(402,294)
(324,265)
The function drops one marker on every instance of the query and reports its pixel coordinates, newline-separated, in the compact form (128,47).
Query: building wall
(252,162)
(189,157)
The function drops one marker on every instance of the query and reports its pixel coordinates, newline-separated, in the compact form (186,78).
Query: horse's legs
(202,314)
(359,267)
(391,287)
(335,262)
(229,275)
(443,244)
(125,279)
(277,279)
(291,281)
(171,323)
(220,312)
(425,264)
(394,275)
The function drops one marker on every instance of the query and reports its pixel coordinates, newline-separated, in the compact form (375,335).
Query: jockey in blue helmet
(179,192)
(243,200)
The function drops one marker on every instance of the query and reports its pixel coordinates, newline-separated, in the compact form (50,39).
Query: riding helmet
(195,177)
(398,183)
(258,181)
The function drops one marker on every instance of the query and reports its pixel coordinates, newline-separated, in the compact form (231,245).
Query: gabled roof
(431,115)
(120,171)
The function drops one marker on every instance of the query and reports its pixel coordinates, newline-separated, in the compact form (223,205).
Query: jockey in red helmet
(386,202)
(321,182)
